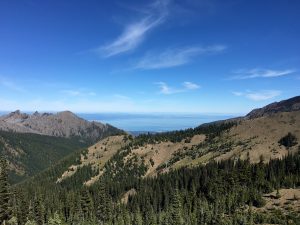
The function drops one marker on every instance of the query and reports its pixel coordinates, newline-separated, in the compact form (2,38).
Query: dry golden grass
(128,194)
(250,139)
(162,152)
(259,137)
(289,200)
(97,155)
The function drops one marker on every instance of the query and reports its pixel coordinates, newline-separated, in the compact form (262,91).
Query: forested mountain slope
(230,193)
(239,171)
(27,154)
(33,142)
(148,155)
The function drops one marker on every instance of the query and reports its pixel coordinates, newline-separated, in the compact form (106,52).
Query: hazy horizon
(151,122)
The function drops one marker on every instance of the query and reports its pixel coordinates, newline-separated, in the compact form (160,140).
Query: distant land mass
(154,122)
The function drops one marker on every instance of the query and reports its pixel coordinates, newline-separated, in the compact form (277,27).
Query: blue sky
(202,56)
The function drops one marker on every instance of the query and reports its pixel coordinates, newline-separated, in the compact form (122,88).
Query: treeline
(211,130)
(217,193)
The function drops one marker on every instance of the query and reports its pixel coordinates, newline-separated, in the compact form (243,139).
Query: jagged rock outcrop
(62,124)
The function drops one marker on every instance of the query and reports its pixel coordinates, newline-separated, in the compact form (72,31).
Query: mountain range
(33,142)
(240,169)
(254,137)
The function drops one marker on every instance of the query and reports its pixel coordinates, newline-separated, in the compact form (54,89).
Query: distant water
(154,122)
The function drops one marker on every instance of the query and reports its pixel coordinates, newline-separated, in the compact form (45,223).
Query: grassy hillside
(222,173)
(28,154)
(149,155)
(230,192)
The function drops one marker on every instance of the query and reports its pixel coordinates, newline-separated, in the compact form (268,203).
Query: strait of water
(155,122)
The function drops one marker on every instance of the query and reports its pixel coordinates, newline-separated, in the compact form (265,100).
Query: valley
(241,169)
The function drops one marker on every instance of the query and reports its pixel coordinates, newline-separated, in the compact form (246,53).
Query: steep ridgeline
(289,105)
(263,138)
(63,124)
(33,142)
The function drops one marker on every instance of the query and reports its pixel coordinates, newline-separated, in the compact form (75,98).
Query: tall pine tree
(103,205)
(4,192)
(176,209)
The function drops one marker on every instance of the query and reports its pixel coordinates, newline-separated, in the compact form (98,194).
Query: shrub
(288,141)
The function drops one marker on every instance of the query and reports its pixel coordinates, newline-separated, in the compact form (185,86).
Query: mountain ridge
(61,124)
(237,138)
(288,105)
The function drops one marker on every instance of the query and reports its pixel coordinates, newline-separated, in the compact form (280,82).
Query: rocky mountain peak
(61,124)
(16,115)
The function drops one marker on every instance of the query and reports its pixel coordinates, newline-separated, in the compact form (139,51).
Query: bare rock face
(62,124)
(289,105)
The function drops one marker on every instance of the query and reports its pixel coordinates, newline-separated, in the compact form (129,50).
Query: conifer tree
(38,211)
(31,215)
(55,220)
(86,204)
(22,206)
(104,206)
(137,219)
(4,192)
(176,209)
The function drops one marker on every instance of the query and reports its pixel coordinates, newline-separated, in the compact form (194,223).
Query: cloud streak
(175,57)
(11,85)
(134,33)
(259,95)
(190,86)
(261,73)
(77,93)
(167,90)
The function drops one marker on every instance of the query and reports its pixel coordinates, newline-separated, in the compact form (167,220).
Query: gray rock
(62,124)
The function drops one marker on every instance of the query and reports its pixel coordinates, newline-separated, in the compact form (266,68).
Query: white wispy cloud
(167,90)
(259,95)
(261,73)
(190,85)
(175,57)
(237,93)
(77,93)
(134,33)
(9,84)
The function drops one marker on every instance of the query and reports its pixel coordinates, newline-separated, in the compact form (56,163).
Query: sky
(179,56)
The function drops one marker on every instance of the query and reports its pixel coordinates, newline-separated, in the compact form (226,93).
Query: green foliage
(30,222)
(55,220)
(175,209)
(39,151)
(216,193)
(103,205)
(82,175)
(211,130)
(4,192)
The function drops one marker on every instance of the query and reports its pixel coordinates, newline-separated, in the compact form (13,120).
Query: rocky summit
(61,124)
